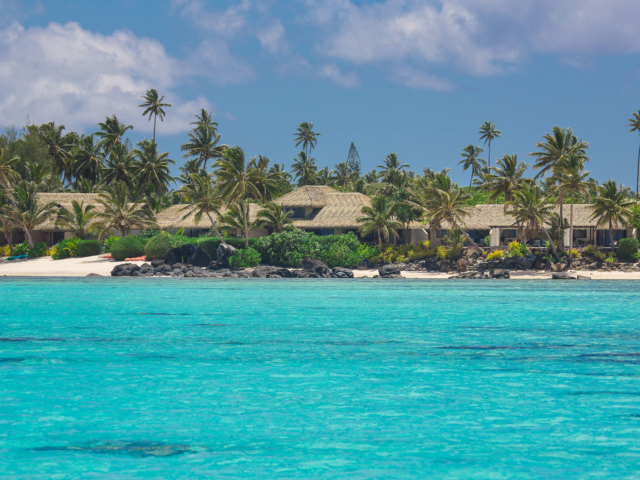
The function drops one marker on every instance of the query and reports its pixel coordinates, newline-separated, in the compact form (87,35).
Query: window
(579,234)
(298,212)
(509,233)
(323,231)
(441,233)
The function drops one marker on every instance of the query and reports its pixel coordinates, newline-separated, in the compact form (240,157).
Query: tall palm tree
(154,107)
(119,212)
(634,123)
(77,221)
(532,208)
(88,159)
(237,181)
(612,206)
(266,182)
(471,160)
(556,146)
(380,218)
(119,165)
(205,118)
(505,178)
(281,178)
(305,169)
(274,217)
(202,199)
(112,132)
(321,177)
(342,174)
(203,144)
(572,180)
(234,218)
(488,133)
(450,205)
(58,144)
(152,167)
(28,212)
(391,162)
(306,137)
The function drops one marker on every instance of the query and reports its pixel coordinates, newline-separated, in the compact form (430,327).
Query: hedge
(88,248)
(158,246)
(126,247)
(628,249)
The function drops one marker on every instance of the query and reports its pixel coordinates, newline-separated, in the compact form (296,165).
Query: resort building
(324,210)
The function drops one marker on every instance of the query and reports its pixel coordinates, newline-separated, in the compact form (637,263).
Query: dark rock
(190,274)
(389,270)
(174,256)
(511,262)
(526,263)
(186,251)
(562,276)
(445,266)
(273,275)
(94,275)
(500,274)
(462,265)
(341,273)
(262,271)
(583,277)
(308,274)
(157,263)
(316,266)
(224,253)
(124,270)
(164,269)
(200,258)
(364,265)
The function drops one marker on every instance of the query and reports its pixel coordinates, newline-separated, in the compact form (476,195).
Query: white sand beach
(81,267)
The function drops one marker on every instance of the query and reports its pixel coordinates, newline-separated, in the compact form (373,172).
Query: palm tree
(371,177)
(233,220)
(151,167)
(379,217)
(77,221)
(8,176)
(203,144)
(306,136)
(119,212)
(154,107)
(274,217)
(487,133)
(28,212)
(321,177)
(342,174)
(88,159)
(471,159)
(119,165)
(532,208)
(237,181)
(58,144)
(572,180)
(450,205)
(205,118)
(391,162)
(634,123)
(505,178)
(202,199)
(305,169)
(112,132)
(612,206)
(281,179)
(561,144)
(6,225)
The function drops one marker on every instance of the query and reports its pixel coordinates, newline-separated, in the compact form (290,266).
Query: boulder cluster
(161,268)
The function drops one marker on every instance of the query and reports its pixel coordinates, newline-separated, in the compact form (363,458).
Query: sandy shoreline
(81,267)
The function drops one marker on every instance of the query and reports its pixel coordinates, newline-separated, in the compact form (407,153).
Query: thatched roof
(172,217)
(65,200)
(309,196)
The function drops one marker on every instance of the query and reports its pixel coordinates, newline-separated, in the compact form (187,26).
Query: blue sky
(406,76)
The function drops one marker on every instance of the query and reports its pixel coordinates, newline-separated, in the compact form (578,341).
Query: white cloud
(77,77)
(333,73)
(418,79)
(224,22)
(272,38)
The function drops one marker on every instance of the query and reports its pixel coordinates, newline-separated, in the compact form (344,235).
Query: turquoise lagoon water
(172,378)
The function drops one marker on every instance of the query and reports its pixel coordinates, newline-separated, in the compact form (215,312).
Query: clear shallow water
(122,378)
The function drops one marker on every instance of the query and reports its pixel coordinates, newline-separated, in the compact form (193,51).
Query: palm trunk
(489,153)
(471,181)
(27,232)
(455,225)
(571,232)
(553,245)
(154,127)
(215,229)
(432,234)
(638,176)
(612,233)
(379,240)
(561,226)
(245,214)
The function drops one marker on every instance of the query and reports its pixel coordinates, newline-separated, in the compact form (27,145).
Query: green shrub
(627,249)
(246,258)
(158,246)
(599,256)
(20,249)
(287,248)
(342,252)
(66,248)
(39,250)
(148,234)
(126,247)
(144,241)
(108,242)
(88,248)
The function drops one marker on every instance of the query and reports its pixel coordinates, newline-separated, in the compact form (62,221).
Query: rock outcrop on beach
(389,271)
(213,270)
